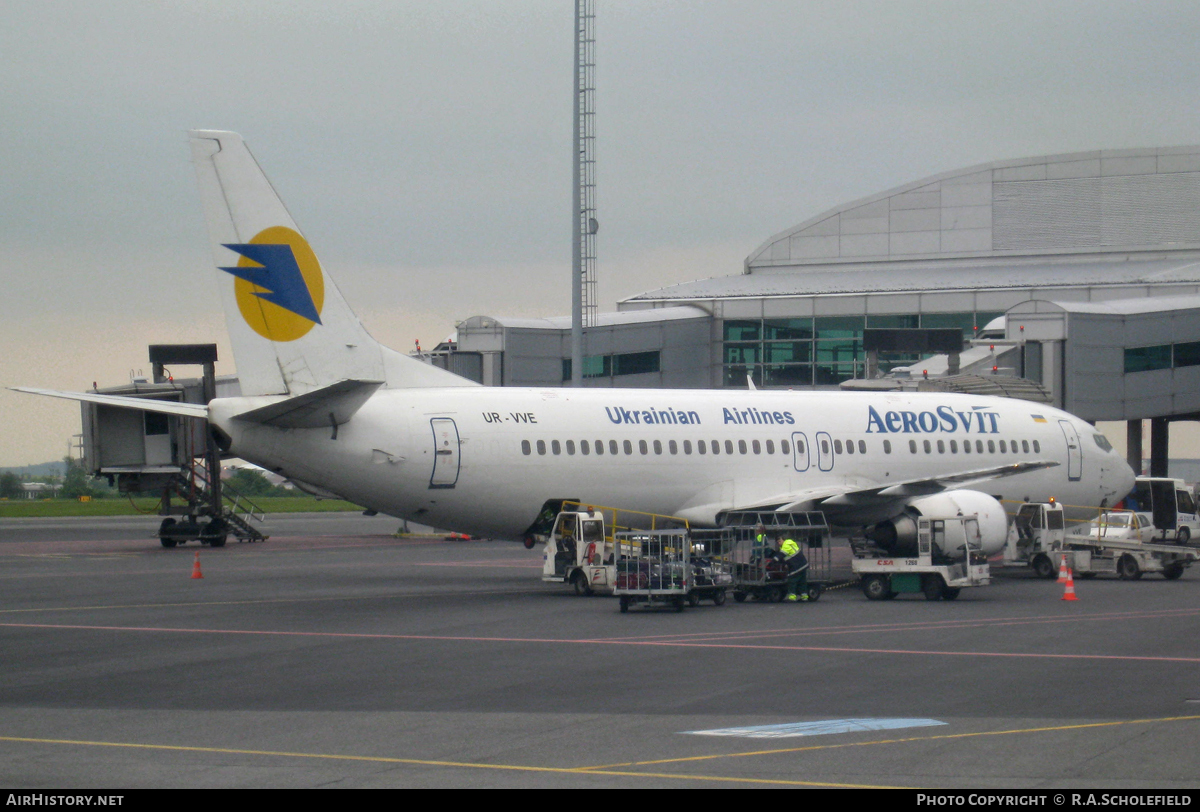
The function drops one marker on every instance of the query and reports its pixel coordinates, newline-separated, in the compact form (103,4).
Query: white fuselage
(484,460)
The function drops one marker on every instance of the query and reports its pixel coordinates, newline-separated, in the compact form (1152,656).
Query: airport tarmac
(337,655)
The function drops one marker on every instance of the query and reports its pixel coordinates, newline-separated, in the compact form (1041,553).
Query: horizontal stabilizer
(330,405)
(123,402)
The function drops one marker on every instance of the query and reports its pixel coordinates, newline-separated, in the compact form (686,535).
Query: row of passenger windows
(1006,446)
(614,447)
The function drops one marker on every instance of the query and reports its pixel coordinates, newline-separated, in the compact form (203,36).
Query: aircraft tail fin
(291,330)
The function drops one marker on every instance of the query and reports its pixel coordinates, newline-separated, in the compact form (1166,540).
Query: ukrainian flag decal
(1037,418)
(279,285)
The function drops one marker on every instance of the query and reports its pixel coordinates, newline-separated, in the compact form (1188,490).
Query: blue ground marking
(815,728)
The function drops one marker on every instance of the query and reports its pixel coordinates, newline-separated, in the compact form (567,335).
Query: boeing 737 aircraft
(324,404)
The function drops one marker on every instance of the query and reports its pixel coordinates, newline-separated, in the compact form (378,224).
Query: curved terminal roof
(1111,217)
(1083,202)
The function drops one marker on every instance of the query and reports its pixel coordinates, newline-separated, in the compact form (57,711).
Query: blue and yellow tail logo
(280,289)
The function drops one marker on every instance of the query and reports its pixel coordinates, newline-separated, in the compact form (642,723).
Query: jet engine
(898,535)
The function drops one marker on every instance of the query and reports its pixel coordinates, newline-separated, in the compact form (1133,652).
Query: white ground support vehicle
(1113,543)
(1171,505)
(949,559)
(579,549)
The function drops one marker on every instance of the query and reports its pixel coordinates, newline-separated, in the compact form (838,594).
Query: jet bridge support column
(1160,435)
(1133,445)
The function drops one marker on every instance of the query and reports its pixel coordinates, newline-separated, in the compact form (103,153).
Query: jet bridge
(141,451)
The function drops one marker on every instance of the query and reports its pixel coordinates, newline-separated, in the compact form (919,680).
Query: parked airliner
(325,405)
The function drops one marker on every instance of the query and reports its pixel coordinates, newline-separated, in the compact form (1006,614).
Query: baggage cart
(712,566)
(756,574)
(653,568)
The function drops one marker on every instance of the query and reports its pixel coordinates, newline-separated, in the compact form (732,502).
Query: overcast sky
(425,147)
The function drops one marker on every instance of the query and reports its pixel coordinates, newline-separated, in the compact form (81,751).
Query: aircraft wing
(198,410)
(848,497)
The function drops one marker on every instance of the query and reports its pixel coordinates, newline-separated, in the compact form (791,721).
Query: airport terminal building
(1092,236)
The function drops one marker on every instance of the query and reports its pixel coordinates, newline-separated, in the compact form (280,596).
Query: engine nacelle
(898,535)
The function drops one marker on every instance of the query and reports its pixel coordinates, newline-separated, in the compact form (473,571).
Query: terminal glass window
(1145,359)
(1187,355)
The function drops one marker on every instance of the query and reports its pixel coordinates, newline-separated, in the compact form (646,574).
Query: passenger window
(585,447)
(928,449)
(716,447)
(628,448)
(887,446)
(783,447)
(1003,448)
(837,446)
(571,447)
(1037,447)
(824,447)
(555,446)
(729,446)
(862,446)
(954,446)
(542,447)
(799,446)
(701,446)
(912,446)
(526,448)
(991,446)
(599,447)
(756,446)
(1025,446)
(612,447)
(770,446)
(658,446)
(849,446)
(966,446)
(673,447)
(979,446)
(642,447)
(687,446)
(742,446)
(941,447)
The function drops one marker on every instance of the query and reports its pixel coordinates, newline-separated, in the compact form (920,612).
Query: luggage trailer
(759,576)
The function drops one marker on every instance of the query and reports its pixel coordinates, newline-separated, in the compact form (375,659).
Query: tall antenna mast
(583,276)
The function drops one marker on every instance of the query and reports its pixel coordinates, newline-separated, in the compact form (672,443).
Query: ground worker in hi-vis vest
(762,545)
(797,564)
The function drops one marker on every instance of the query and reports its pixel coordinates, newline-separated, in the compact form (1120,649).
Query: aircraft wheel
(875,587)
(580,582)
(933,586)
(719,597)
(1172,571)
(529,542)
(1128,569)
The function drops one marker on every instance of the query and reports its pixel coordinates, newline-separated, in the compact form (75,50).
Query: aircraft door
(1074,452)
(800,451)
(445,453)
(824,451)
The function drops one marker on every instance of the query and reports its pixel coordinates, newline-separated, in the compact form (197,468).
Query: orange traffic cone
(1062,570)
(196,573)
(1069,592)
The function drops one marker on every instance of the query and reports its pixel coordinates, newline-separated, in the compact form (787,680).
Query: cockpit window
(1103,442)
